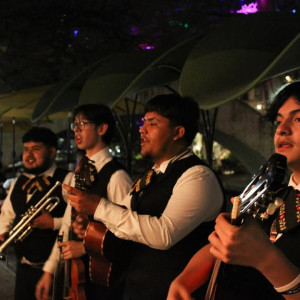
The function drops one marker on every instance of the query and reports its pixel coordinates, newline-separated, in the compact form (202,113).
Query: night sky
(43,42)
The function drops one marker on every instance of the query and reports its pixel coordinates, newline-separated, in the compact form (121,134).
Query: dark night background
(45,41)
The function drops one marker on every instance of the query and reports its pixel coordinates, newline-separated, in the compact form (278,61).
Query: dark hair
(285,92)
(41,135)
(179,110)
(99,114)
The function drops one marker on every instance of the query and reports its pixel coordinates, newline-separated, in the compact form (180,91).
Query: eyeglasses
(80,125)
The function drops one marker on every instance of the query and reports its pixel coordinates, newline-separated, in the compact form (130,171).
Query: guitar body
(99,267)
(257,200)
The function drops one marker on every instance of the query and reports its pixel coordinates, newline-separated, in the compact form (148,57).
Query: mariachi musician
(260,262)
(168,214)
(27,190)
(93,126)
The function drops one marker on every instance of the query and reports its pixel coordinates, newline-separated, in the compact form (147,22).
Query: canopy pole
(69,139)
(208,131)
(14,144)
(1,143)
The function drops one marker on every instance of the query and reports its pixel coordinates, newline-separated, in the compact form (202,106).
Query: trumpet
(23,228)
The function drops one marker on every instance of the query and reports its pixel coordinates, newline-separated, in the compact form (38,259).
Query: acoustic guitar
(257,200)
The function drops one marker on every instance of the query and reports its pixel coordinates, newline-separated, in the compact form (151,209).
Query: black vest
(102,178)
(150,270)
(38,245)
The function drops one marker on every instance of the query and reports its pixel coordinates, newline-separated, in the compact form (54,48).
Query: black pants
(26,280)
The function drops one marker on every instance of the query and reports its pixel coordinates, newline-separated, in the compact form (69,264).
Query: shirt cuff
(50,267)
(57,223)
(97,214)
(109,213)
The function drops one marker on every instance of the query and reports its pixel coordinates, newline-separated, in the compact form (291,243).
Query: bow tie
(143,182)
(36,183)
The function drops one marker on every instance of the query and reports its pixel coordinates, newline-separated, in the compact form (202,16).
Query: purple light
(142,120)
(146,46)
(248,9)
(134,30)
(76,32)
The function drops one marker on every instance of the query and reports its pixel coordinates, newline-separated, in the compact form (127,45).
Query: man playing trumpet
(27,190)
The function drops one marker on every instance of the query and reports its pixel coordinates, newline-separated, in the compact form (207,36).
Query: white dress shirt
(196,198)
(118,187)
(293,184)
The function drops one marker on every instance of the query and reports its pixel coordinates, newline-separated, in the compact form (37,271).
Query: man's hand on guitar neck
(244,245)
(249,245)
(83,202)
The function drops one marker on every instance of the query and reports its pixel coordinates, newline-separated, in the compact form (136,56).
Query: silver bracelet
(290,288)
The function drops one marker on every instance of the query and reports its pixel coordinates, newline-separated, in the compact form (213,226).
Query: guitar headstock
(84,174)
(258,198)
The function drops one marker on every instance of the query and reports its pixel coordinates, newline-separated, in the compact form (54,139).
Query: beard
(40,169)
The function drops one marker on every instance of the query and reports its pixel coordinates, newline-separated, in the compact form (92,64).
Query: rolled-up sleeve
(7,215)
(197,197)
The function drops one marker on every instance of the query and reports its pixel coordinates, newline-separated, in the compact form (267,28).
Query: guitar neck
(212,284)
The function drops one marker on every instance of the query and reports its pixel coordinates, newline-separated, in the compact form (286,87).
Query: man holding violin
(28,189)
(169,212)
(97,172)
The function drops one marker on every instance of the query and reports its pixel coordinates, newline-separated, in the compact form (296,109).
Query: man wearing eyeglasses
(169,212)
(93,127)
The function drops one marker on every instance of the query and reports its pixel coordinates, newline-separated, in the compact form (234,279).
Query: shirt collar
(163,166)
(293,184)
(101,158)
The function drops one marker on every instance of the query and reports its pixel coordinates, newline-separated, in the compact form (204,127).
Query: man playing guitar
(170,210)
(257,265)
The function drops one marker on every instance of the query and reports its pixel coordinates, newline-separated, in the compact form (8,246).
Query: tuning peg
(264,216)
(272,207)
(278,202)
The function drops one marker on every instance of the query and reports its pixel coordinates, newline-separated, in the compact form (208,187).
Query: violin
(74,280)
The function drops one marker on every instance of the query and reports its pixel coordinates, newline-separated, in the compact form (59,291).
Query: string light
(288,78)
(146,46)
(248,9)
